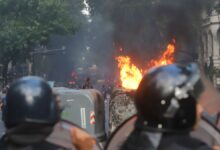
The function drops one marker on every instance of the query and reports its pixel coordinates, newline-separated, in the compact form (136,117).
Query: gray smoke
(89,50)
(91,47)
(142,28)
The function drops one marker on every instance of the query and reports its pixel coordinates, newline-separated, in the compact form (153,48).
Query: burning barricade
(131,75)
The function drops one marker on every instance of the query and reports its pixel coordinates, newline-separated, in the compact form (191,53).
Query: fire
(131,75)
(166,58)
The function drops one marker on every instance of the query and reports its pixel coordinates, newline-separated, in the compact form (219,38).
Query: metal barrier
(84,108)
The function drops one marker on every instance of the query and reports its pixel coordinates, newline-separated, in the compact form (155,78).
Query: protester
(87,84)
(3,94)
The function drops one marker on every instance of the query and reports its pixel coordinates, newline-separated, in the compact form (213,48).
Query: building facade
(209,56)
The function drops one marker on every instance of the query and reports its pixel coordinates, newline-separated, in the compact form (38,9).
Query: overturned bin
(84,108)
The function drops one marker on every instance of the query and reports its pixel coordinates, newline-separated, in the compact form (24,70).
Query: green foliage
(26,23)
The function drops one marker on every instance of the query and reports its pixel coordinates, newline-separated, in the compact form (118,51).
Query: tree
(27,23)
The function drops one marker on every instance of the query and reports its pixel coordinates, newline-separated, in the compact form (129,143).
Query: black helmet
(166,98)
(30,100)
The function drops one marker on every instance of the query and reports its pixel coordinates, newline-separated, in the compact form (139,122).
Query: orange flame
(166,58)
(131,75)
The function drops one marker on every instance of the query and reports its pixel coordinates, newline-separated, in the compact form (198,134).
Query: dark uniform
(8,145)
(30,114)
(166,101)
(181,142)
(140,140)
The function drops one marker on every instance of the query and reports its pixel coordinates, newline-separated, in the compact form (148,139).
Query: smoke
(91,47)
(88,51)
(145,27)
(86,11)
(182,20)
(142,28)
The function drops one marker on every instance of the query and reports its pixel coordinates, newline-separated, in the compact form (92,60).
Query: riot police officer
(30,112)
(166,101)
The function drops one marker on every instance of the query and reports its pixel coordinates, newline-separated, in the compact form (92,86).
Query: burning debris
(131,75)
(121,104)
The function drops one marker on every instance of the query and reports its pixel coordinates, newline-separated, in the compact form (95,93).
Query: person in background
(58,101)
(4,92)
(87,84)
(104,91)
(3,97)
(166,101)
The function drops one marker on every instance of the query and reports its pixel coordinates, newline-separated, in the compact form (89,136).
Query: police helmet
(166,98)
(30,100)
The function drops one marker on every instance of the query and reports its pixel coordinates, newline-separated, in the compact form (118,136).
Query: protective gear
(181,142)
(140,139)
(166,98)
(30,100)
(30,114)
